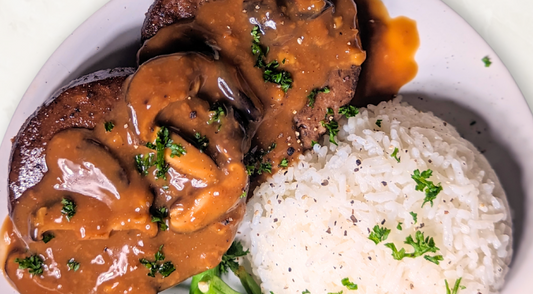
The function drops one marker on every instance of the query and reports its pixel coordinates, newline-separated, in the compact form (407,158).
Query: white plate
(452,81)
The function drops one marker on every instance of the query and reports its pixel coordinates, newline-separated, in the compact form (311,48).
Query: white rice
(300,224)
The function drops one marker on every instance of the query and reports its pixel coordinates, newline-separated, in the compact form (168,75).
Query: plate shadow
(475,129)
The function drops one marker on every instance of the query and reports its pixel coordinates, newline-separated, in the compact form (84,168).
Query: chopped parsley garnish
(456,287)
(165,269)
(280,77)
(264,167)
(151,266)
(340,292)
(415,216)
(162,141)
(346,282)
(177,150)
(399,226)
(378,122)
(312,96)
(306,292)
(422,184)
(109,126)
(144,162)
(486,61)
(69,208)
(421,246)
(33,263)
(284,162)
(435,259)
(161,170)
(329,111)
(271,73)
(217,112)
(229,260)
(250,170)
(159,255)
(256,34)
(158,216)
(243,195)
(333,129)
(313,143)
(348,111)
(47,237)
(379,234)
(255,164)
(256,44)
(201,142)
(395,154)
(73,265)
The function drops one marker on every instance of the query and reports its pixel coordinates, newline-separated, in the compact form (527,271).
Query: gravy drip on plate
(391,45)
(112,229)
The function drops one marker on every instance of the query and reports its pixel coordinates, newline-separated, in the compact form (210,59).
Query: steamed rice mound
(307,227)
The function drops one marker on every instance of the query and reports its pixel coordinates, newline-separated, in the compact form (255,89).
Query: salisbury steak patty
(341,80)
(80,104)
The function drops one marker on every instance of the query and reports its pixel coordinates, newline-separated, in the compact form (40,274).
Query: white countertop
(32,30)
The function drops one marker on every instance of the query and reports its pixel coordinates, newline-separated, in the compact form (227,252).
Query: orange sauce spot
(391,45)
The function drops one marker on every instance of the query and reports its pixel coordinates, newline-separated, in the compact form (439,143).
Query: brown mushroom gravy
(116,172)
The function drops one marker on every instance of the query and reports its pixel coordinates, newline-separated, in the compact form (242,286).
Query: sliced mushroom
(85,173)
(195,98)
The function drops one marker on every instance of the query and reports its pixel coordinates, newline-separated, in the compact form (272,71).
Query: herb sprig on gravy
(271,73)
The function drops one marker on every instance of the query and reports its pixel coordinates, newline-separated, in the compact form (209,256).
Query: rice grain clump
(308,226)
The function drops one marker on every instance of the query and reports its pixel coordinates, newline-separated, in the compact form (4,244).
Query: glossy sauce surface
(391,45)
(313,49)
(308,39)
(113,229)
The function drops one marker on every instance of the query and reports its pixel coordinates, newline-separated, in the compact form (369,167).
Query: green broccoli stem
(214,272)
(209,282)
(247,281)
(217,286)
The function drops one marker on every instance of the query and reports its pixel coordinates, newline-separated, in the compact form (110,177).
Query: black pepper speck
(290,151)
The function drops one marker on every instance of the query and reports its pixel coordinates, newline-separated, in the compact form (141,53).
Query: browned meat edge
(166,12)
(342,84)
(80,104)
